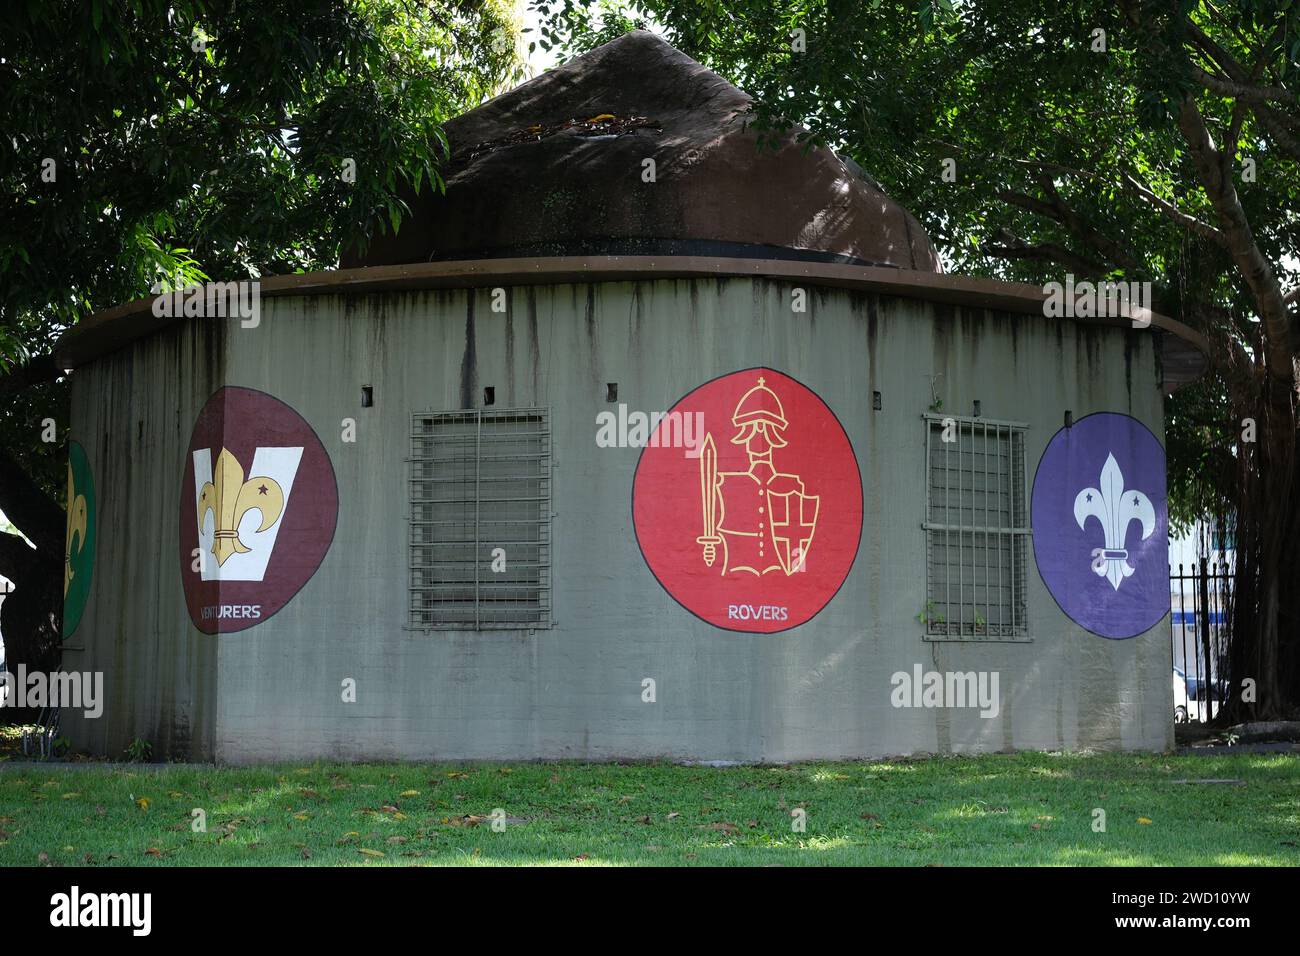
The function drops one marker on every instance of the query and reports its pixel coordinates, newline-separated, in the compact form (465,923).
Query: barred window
(976,530)
(480,545)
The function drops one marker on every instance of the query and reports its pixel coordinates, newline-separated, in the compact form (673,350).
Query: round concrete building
(636,442)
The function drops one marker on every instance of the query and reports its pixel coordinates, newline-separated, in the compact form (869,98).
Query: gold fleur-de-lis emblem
(229,497)
(77,522)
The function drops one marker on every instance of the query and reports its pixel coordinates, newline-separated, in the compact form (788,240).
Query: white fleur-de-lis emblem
(1114,508)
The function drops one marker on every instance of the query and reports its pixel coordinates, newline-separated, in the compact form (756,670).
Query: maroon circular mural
(259,505)
(747,502)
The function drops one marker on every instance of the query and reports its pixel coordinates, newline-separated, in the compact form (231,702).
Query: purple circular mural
(1101,526)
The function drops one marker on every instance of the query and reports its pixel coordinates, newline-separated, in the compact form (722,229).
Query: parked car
(1190,697)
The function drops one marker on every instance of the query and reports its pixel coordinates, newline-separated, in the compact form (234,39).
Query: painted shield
(79,544)
(747,502)
(259,506)
(1101,525)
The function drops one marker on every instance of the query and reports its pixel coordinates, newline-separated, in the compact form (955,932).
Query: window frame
(545,500)
(1019,537)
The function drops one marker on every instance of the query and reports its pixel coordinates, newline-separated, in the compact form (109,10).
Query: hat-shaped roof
(557,167)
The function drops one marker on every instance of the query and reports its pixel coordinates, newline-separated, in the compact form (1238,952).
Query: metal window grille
(480,481)
(976,530)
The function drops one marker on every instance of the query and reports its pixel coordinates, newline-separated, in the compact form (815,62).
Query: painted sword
(709,500)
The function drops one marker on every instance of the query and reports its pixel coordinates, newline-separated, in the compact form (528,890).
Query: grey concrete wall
(574,691)
(133,412)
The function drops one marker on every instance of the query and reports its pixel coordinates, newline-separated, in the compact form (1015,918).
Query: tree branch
(1058,210)
(32,511)
(1279,343)
(38,371)
(1173,212)
(17,557)
(1249,92)
(1013,247)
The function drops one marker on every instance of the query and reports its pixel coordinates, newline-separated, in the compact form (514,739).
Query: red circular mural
(259,505)
(747,502)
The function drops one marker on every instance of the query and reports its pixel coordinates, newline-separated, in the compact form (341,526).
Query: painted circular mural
(747,502)
(259,505)
(79,544)
(1100,525)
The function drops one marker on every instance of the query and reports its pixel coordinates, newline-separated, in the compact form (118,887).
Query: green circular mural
(79,546)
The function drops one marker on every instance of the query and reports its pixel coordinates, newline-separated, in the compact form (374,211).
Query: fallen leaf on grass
(370,853)
(1143,820)
(71,796)
(720,827)
(674,815)
(153,851)
(409,793)
(468,820)
(580,857)
(143,804)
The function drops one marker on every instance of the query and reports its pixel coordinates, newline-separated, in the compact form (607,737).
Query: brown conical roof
(555,167)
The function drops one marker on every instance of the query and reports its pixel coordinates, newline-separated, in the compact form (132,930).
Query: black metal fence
(1199,595)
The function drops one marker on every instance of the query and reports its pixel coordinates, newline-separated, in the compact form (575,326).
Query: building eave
(111,329)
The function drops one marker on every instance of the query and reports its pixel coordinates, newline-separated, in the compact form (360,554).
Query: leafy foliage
(185,139)
(149,144)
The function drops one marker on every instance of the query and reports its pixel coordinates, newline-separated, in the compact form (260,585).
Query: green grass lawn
(1035,809)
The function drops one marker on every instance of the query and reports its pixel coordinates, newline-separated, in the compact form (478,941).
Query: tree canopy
(153,143)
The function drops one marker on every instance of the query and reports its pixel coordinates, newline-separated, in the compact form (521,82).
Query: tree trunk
(1264,614)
